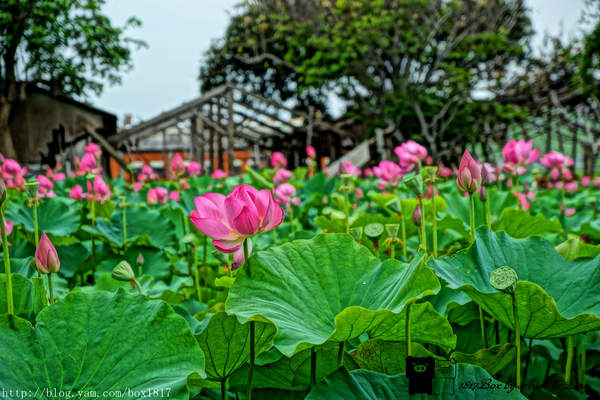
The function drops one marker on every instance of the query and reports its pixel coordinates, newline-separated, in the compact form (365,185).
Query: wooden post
(211,142)
(230,129)
(202,145)
(164,153)
(310,125)
(193,138)
(219,136)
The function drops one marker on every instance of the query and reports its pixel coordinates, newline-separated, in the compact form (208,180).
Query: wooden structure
(228,127)
(47,129)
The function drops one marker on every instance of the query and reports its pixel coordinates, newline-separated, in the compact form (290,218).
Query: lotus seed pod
(392,230)
(123,272)
(394,205)
(429,173)
(374,230)
(357,233)
(415,184)
(189,238)
(32,188)
(504,279)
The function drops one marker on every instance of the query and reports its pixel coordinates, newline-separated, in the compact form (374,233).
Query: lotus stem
(313,367)
(346,209)
(482,325)
(340,356)
(36,231)
(581,368)
(569,363)
(423,233)
(517,340)
(223,389)
(472,216)
(252,354)
(527,361)
(434,222)
(50,288)
(196,273)
(407,328)
(93,212)
(488,218)
(9,289)
(124,227)
(403,233)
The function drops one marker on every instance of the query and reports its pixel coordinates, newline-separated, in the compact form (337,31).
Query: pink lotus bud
(416,217)
(174,195)
(368,172)
(282,175)
(482,194)
(87,164)
(585,181)
(571,186)
(46,258)
(177,165)
(311,152)
(184,184)
(137,186)
(278,160)
(284,193)
(469,174)
(358,193)
(140,259)
(296,201)
(218,174)
(597,181)
(93,149)
(410,154)
(76,192)
(194,168)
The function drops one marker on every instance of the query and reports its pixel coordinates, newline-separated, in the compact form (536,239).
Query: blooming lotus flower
(597,181)
(218,174)
(568,212)
(14,174)
(517,154)
(282,175)
(177,165)
(368,172)
(93,149)
(147,174)
(46,258)
(137,186)
(389,172)
(87,164)
(76,192)
(358,193)
(554,159)
(349,169)
(488,174)
(194,168)
(55,176)
(99,191)
(410,154)
(174,195)
(157,195)
(284,193)
(45,188)
(232,219)
(571,186)
(524,199)
(278,160)
(469,174)
(585,181)
(311,152)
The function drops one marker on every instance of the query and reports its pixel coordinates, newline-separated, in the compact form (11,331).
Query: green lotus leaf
(24,266)
(555,297)
(364,384)
(152,288)
(144,226)
(493,360)
(574,248)
(325,288)
(387,357)
(22,294)
(156,262)
(73,258)
(56,216)
(521,224)
(96,341)
(226,344)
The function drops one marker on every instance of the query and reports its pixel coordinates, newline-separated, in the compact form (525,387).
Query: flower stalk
(7,271)
(252,350)
(569,361)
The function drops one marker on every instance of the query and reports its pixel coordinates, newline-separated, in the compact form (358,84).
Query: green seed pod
(374,230)
(189,238)
(504,279)
(392,230)
(357,233)
(415,184)
(394,205)
(429,173)
(32,188)
(123,272)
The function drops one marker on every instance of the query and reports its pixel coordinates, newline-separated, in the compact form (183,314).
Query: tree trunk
(7,147)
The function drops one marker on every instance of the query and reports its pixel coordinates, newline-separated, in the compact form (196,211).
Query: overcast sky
(179,31)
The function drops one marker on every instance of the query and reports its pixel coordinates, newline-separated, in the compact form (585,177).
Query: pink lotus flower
(278,160)
(93,149)
(517,154)
(585,181)
(311,152)
(14,175)
(524,200)
(46,258)
(232,219)
(488,174)
(568,212)
(435,191)
(76,192)
(349,169)
(157,195)
(416,216)
(358,193)
(571,186)
(8,227)
(177,165)
(597,181)
(147,174)
(45,188)
(218,174)
(296,201)
(184,184)
(99,191)
(137,186)
(87,164)
(55,176)
(444,171)
(469,174)
(554,159)
(368,172)
(284,193)
(194,168)
(389,172)
(174,195)
(410,154)
(282,175)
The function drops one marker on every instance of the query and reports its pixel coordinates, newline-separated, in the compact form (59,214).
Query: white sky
(179,31)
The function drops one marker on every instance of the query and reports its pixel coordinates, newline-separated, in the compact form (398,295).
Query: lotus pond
(279,284)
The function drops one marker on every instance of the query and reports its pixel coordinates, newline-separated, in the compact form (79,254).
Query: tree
(67,46)
(416,67)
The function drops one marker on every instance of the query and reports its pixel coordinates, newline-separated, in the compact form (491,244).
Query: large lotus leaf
(555,297)
(23,266)
(22,294)
(226,344)
(574,248)
(152,288)
(156,262)
(387,357)
(57,216)
(99,341)
(458,205)
(521,224)
(73,257)
(325,288)
(364,384)
(144,226)
(493,360)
